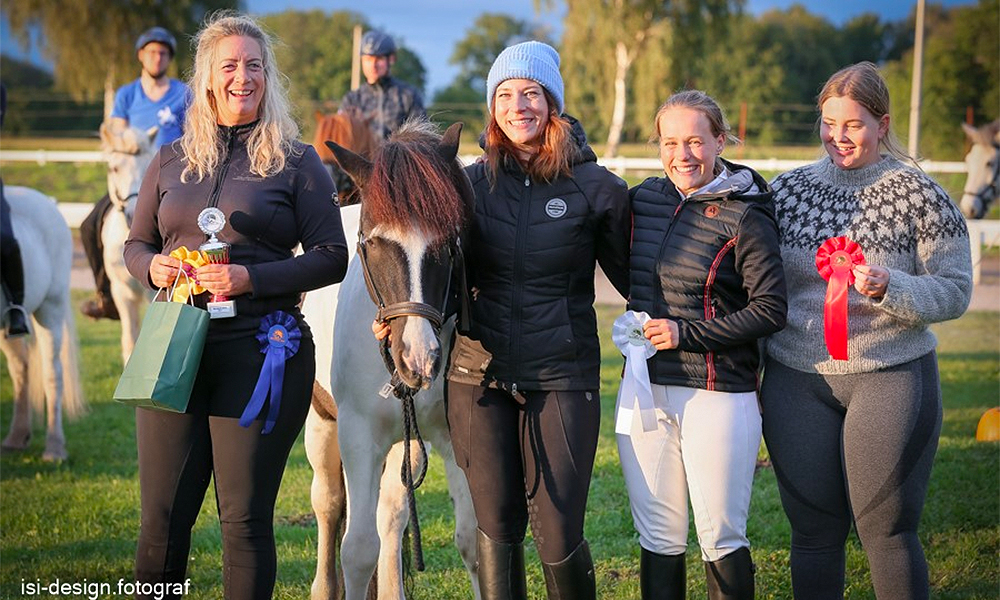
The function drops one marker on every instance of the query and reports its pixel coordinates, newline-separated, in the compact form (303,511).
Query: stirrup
(17,321)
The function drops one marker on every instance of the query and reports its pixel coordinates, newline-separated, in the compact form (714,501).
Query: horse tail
(74,402)
(36,374)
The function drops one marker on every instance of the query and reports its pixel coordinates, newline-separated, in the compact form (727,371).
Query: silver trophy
(211,221)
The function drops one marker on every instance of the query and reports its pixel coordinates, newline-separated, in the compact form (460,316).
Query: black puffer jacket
(531,261)
(712,264)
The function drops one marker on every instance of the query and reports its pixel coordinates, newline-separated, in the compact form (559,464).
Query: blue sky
(432,27)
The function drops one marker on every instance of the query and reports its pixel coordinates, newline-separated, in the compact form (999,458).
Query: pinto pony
(415,202)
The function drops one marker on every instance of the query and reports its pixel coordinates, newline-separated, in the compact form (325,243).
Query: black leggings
(854,447)
(93,245)
(179,453)
(528,459)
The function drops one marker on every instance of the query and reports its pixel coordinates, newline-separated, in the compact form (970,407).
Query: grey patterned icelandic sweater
(903,221)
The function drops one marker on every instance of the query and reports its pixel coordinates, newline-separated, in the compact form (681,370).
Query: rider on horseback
(384,101)
(12,273)
(152,100)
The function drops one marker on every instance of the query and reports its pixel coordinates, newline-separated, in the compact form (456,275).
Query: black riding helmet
(376,43)
(157,34)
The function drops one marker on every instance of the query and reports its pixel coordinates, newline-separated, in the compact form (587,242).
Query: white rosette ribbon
(626,333)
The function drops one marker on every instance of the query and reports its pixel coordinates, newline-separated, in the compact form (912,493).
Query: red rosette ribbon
(835,261)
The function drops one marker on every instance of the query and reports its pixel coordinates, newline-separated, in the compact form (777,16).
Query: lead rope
(410,431)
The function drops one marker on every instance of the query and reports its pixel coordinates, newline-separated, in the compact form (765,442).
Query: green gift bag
(163,366)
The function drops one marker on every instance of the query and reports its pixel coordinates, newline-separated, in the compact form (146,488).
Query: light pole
(913,141)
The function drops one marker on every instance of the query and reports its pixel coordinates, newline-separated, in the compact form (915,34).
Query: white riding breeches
(705,444)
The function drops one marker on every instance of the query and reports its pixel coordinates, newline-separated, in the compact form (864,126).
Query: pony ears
(448,148)
(357,167)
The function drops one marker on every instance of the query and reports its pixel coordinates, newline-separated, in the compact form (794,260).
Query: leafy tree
(961,71)
(490,34)
(315,52)
(93,43)
(605,37)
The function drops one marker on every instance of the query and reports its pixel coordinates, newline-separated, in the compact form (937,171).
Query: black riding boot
(662,576)
(573,577)
(731,577)
(13,287)
(101,306)
(501,569)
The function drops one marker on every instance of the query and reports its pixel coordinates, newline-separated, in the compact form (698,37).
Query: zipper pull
(527,181)
(513,389)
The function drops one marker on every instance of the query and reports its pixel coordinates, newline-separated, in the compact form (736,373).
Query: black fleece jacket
(266,218)
(531,260)
(712,264)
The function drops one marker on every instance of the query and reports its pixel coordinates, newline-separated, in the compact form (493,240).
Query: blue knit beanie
(528,60)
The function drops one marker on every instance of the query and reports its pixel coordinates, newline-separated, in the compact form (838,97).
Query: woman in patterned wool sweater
(853,440)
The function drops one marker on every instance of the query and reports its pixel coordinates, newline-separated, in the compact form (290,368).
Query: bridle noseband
(988,192)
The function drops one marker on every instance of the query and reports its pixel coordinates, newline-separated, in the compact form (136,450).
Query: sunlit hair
(555,156)
(412,182)
(862,83)
(272,137)
(701,102)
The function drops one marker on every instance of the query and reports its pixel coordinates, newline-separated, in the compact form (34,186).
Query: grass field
(78,520)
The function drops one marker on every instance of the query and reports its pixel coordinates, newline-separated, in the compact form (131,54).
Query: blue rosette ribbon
(279,336)
(635,390)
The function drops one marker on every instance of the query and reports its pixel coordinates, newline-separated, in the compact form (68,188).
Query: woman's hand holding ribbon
(163,270)
(871,280)
(662,332)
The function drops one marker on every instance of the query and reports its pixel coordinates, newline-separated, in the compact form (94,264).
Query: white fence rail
(618,164)
(981,233)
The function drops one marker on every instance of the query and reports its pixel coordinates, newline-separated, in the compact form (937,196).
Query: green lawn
(78,520)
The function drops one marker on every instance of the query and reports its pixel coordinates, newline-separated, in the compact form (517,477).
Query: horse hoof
(55,454)
(15,443)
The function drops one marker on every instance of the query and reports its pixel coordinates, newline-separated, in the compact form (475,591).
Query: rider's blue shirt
(167,113)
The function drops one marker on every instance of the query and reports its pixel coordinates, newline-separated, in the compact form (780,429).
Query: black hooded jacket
(531,260)
(712,264)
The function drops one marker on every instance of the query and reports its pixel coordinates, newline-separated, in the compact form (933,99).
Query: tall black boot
(662,576)
(573,577)
(501,569)
(731,577)
(12,276)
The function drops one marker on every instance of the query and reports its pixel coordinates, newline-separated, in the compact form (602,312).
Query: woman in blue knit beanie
(523,403)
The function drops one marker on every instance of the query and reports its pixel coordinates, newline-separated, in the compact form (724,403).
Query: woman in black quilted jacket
(523,403)
(707,282)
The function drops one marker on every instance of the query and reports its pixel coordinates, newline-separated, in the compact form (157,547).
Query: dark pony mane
(411,184)
(347,130)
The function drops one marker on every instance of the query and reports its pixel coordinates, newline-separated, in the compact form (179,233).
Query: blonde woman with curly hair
(239,155)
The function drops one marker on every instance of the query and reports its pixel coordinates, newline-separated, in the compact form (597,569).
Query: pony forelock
(412,185)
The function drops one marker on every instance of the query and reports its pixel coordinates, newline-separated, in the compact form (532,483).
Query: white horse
(369,425)
(983,166)
(128,154)
(43,367)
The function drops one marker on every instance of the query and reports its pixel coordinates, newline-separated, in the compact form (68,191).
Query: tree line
(620,60)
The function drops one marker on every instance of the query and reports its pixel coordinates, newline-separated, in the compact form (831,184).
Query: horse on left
(44,367)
